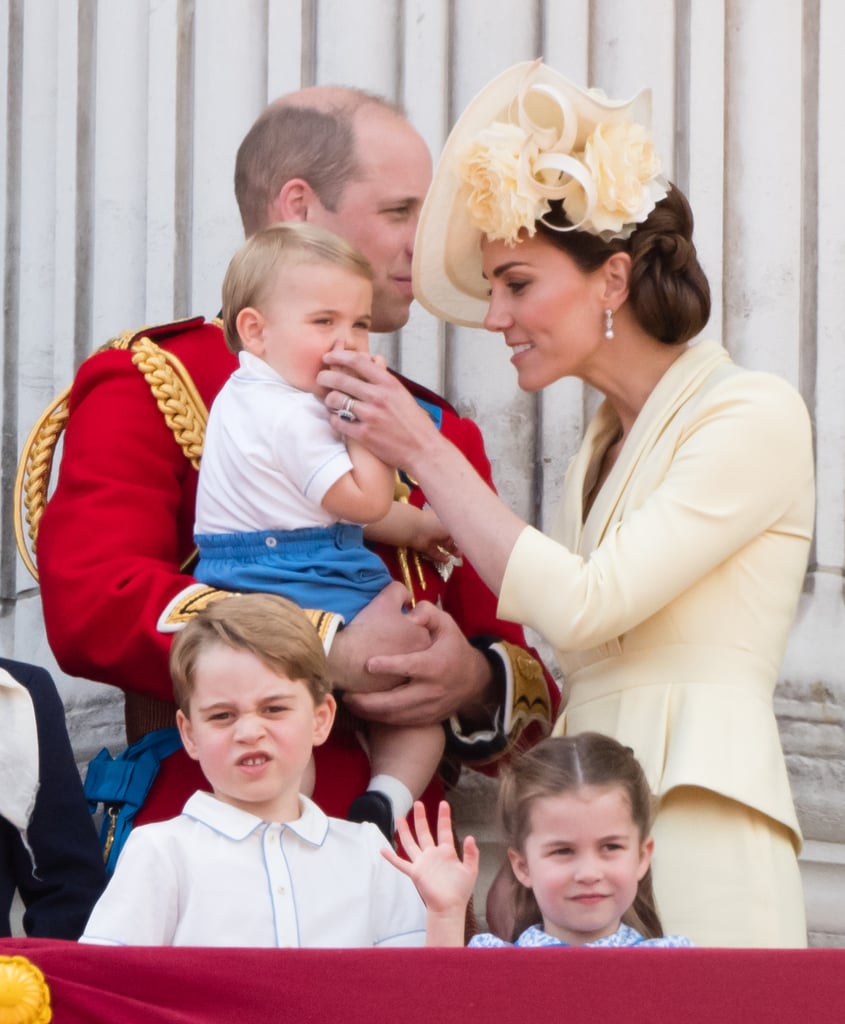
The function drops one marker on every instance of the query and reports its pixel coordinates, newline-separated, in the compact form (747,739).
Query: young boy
(280,497)
(256,863)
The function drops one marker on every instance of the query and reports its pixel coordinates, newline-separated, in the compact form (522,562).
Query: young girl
(576,813)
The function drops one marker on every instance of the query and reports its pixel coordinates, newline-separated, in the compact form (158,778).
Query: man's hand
(447,676)
(382,626)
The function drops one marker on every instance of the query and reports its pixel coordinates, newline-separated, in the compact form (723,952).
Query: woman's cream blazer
(669,609)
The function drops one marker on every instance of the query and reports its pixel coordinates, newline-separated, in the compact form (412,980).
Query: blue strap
(436,415)
(434,411)
(121,785)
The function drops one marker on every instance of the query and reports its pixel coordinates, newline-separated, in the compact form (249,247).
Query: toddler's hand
(432,539)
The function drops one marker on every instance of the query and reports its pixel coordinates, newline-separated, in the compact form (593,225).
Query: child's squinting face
(583,859)
(312,309)
(252,731)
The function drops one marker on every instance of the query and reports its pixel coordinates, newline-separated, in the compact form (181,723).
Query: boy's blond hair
(269,626)
(252,268)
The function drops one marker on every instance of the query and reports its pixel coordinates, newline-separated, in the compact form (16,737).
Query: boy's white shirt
(218,876)
(269,457)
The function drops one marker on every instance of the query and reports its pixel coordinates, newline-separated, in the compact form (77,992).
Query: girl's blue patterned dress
(534,937)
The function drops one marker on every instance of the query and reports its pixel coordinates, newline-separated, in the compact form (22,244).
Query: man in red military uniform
(116,539)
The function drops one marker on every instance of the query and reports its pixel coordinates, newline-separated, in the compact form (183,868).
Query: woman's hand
(385,417)
(370,405)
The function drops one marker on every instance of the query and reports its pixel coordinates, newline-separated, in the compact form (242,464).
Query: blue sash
(121,785)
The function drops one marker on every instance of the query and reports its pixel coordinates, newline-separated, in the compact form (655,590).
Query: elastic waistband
(237,545)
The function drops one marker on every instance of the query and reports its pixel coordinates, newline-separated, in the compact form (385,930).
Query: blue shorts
(317,567)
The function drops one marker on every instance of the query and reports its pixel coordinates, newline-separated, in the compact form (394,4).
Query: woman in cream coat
(670,579)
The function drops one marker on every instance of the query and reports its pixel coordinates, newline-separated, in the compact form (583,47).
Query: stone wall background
(121,121)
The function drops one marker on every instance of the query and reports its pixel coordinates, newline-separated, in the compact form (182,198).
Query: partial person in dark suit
(49,852)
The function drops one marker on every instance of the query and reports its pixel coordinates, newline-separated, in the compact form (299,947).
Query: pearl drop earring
(608,323)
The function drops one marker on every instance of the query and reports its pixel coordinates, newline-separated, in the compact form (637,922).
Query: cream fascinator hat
(530,136)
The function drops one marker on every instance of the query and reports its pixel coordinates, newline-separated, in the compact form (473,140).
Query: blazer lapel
(681,380)
(569,522)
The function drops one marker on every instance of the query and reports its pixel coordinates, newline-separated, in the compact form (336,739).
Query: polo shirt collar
(311,826)
(252,366)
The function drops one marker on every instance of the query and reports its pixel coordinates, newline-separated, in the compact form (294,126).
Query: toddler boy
(283,503)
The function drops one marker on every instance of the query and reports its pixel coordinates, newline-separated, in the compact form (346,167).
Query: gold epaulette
(175,393)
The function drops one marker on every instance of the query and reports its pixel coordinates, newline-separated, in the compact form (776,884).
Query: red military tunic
(119,527)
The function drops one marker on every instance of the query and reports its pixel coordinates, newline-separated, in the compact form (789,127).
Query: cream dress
(669,609)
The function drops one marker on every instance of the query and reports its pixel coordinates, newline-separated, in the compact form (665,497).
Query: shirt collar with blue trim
(311,826)
(252,367)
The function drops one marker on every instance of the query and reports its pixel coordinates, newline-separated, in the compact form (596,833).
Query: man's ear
(295,199)
(250,327)
(183,723)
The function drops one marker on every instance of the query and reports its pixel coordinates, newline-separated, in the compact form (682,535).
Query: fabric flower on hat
(626,171)
(606,173)
(496,167)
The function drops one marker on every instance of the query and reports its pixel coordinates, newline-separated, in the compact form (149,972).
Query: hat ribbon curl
(555,148)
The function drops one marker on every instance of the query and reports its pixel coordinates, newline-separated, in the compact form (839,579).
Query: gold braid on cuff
(530,694)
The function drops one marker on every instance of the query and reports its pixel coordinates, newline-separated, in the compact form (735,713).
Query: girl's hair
(669,294)
(269,626)
(251,272)
(564,765)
